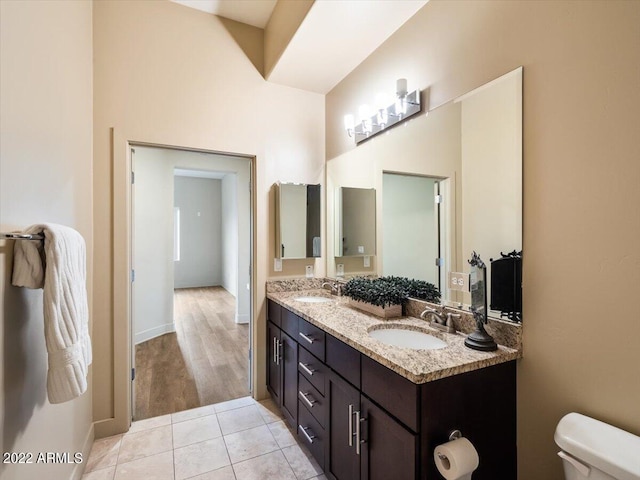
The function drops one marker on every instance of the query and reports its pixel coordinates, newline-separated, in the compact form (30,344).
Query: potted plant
(385,296)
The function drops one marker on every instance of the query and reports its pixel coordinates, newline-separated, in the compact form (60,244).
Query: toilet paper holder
(454,435)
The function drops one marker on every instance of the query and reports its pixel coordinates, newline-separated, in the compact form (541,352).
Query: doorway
(191,288)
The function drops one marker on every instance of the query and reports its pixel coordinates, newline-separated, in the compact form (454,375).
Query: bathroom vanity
(373,411)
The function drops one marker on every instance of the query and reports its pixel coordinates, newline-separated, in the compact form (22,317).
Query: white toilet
(596,451)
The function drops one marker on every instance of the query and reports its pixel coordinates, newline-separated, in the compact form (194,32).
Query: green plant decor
(385,291)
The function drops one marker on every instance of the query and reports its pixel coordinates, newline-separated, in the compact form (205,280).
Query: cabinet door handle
(275,350)
(308,339)
(304,432)
(358,420)
(351,425)
(304,396)
(306,368)
(278,356)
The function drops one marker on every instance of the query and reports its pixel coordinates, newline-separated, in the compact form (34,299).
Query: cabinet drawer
(289,323)
(344,360)
(311,338)
(311,434)
(274,312)
(394,393)
(312,400)
(312,369)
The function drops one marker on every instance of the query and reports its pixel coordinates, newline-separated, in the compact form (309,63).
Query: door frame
(121,277)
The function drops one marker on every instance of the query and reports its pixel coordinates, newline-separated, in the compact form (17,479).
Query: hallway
(204,362)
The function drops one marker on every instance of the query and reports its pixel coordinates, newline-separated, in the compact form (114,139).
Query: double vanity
(371,409)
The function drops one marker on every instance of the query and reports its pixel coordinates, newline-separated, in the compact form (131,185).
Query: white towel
(61,269)
(316,247)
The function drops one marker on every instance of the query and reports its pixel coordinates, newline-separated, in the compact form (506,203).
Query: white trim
(154,332)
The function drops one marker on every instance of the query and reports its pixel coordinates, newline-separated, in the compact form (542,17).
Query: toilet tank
(600,446)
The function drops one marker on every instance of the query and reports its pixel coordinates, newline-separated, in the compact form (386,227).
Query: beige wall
(167,74)
(581,188)
(45,176)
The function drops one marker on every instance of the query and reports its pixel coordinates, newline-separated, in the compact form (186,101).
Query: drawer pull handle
(306,368)
(304,396)
(307,338)
(351,434)
(304,432)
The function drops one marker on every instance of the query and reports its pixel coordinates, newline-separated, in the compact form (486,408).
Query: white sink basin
(312,299)
(400,337)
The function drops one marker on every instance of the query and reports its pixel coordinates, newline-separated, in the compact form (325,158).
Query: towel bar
(21,236)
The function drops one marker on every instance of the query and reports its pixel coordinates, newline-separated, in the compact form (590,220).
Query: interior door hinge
(133,178)
(439,262)
(133,374)
(438,198)
(133,275)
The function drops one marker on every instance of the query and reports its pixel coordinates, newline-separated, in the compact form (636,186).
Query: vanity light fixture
(386,114)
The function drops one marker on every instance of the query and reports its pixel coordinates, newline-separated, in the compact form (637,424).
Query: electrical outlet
(360,248)
(340,270)
(459,281)
(309,271)
(277,264)
(367,261)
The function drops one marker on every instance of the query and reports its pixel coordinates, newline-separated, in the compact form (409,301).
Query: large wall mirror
(355,214)
(297,220)
(447,184)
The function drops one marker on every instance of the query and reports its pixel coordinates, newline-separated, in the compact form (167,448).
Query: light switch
(340,270)
(367,261)
(309,271)
(277,265)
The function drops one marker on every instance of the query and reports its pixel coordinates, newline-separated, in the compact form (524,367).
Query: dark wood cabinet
(362,421)
(289,365)
(282,367)
(274,377)
(389,449)
(343,461)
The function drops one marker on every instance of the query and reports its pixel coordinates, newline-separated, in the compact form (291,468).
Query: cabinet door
(389,450)
(342,462)
(289,363)
(274,380)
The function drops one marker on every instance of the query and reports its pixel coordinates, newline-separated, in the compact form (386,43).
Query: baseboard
(242,318)
(78,470)
(154,332)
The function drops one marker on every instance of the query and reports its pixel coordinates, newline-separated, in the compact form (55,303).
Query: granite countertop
(419,366)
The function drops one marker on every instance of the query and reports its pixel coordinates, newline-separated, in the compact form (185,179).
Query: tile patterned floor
(236,440)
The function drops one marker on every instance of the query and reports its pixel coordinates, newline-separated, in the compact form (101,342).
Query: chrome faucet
(334,287)
(440,319)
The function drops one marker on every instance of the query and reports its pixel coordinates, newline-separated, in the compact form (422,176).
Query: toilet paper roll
(457,459)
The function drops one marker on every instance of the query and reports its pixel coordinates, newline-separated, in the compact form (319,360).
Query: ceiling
(337,34)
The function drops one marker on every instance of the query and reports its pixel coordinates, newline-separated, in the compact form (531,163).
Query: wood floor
(206,361)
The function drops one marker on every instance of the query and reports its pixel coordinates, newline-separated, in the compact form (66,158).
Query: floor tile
(102,474)
(145,443)
(272,466)
(282,434)
(200,458)
(250,443)
(154,467)
(240,419)
(192,413)
(269,411)
(104,453)
(303,465)
(233,404)
(224,473)
(196,430)
(149,423)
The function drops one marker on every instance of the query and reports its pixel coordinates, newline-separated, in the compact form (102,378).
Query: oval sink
(401,337)
(312,299)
